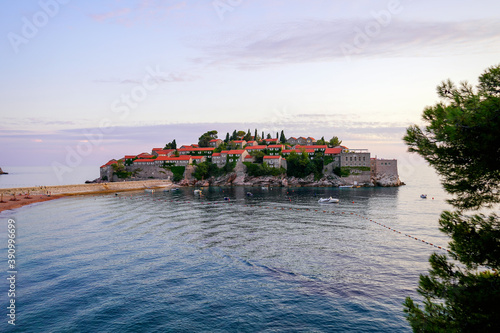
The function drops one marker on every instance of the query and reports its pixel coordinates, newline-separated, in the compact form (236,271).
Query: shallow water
(274,262)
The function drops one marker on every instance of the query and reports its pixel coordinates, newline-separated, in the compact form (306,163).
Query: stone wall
(149,172)
(361,178)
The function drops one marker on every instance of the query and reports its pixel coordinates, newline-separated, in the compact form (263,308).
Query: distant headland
(246,159)
(2,172)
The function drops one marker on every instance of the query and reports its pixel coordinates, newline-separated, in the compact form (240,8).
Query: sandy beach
(11,198)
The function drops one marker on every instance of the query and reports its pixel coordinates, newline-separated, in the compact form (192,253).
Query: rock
(387,180)
(2,172)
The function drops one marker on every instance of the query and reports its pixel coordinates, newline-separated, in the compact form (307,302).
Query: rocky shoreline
(234,179)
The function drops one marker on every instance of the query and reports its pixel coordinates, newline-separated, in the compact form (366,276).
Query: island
(2,172)
(252,160)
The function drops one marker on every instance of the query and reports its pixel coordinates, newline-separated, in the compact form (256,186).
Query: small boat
(198,192)
(328,200)
(345,186)
(249,194)
(226,198)
(149,190)
(423,196)
(265,188)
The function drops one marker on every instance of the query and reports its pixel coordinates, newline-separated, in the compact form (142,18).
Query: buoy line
(231,203)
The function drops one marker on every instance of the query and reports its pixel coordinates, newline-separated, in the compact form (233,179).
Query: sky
(83,82)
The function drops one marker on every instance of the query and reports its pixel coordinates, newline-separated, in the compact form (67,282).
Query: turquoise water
(274,262)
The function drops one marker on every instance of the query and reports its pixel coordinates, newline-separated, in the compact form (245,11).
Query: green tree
(227,138)
(120,171)
(321,141)
(262,137)
(248,136)
(268,136)
(461,141)
(171,145)
(256,137)
(204,139)
(299,165)
(259,156)
(234,136)
(282,137)
(240,135)
(334,142)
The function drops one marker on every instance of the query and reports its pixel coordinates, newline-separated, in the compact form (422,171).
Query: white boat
(345,186)
(328,200)
(423,196)
(197,192)
(149,190)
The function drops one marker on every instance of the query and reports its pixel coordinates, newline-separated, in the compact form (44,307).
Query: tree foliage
(248,136)
(461,141)
(258,170)
(206,170)
(282,137)
(120,171)
(334,142)
(205,138)
(300,165)
(171,145)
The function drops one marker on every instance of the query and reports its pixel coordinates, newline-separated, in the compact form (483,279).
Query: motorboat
(149,190)
(328,200)
(249,194)
(345,186)
(197,192)
(423,196)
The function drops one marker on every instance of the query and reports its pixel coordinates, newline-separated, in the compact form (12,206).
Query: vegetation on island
(461,141)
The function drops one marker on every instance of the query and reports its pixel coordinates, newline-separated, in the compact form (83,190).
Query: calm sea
(46,176)
(276,261)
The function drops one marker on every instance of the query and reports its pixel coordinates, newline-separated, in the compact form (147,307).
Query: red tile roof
(165,151)
(197,157)
(197,149)
(256,147)
(275,146)
(332,151)
(173,158)
(311,147)
(236,152)
(215,154)
(298,151)
(144,160)
(215,140)
(249,156)
(271,157)
(154,149)
(127,157)
(239,141)
(271,140)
